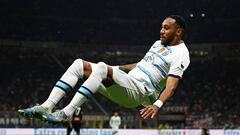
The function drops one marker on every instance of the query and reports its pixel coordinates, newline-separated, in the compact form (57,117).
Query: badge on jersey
(161,50)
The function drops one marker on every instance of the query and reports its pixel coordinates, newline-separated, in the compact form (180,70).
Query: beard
(167,40)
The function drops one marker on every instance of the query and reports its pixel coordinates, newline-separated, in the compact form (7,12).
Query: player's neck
(176,42)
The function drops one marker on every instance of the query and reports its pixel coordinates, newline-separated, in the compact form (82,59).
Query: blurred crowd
(210,88)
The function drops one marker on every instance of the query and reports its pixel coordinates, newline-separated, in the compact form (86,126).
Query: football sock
(89,87)
(65,84)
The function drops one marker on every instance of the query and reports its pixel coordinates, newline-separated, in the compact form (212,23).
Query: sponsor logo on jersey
(165,53)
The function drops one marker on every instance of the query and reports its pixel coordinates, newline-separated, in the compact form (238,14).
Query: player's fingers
(147,113)
(144,113)
(144,109)
(153,114)
(155,111)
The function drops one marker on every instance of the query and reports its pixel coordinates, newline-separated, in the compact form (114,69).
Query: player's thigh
(127,81)
(126,91)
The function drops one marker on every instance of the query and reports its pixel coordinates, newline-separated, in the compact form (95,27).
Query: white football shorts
(128,91)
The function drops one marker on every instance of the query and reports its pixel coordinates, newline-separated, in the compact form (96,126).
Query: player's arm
(151,110)
(128,67)
(172,83)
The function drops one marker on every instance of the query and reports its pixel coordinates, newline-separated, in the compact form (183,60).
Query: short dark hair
(179,20)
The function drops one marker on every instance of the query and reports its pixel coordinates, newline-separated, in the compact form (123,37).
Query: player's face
(168,31)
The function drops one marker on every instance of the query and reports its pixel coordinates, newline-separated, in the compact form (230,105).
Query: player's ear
(179,31)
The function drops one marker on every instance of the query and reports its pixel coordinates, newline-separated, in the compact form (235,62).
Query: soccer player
(75,123)
(150,82)
(115,122)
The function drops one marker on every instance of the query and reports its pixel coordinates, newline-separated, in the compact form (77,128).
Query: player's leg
(89,87)
(79,69)
(69,129)
(131,90)
(76,128)
(126,87)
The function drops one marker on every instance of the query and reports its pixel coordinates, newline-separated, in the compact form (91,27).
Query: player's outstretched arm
(152,110)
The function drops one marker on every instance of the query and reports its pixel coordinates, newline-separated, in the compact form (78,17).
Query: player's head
(115,113)
(172,30)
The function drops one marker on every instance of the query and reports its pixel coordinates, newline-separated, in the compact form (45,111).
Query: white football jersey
(159,63)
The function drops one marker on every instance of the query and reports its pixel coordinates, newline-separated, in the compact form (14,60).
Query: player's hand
(149,111)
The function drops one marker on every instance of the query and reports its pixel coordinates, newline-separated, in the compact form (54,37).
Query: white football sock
(89,87)
(66,83)
(53,98)
(77,100)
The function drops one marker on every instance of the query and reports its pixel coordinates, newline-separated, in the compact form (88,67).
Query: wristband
(158,103)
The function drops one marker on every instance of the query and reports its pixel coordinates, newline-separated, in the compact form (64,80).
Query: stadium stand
(207,94)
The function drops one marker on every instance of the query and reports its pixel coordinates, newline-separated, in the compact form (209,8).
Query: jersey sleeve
(179,65)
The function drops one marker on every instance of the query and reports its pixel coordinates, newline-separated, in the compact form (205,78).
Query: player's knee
(101,70)
(77,62)
(77,67)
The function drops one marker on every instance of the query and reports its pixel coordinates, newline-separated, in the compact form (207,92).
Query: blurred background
(40,39)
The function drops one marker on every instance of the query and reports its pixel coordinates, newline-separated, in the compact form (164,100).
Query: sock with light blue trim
(89,87)
(79,98)
(65,84)
(57,93)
